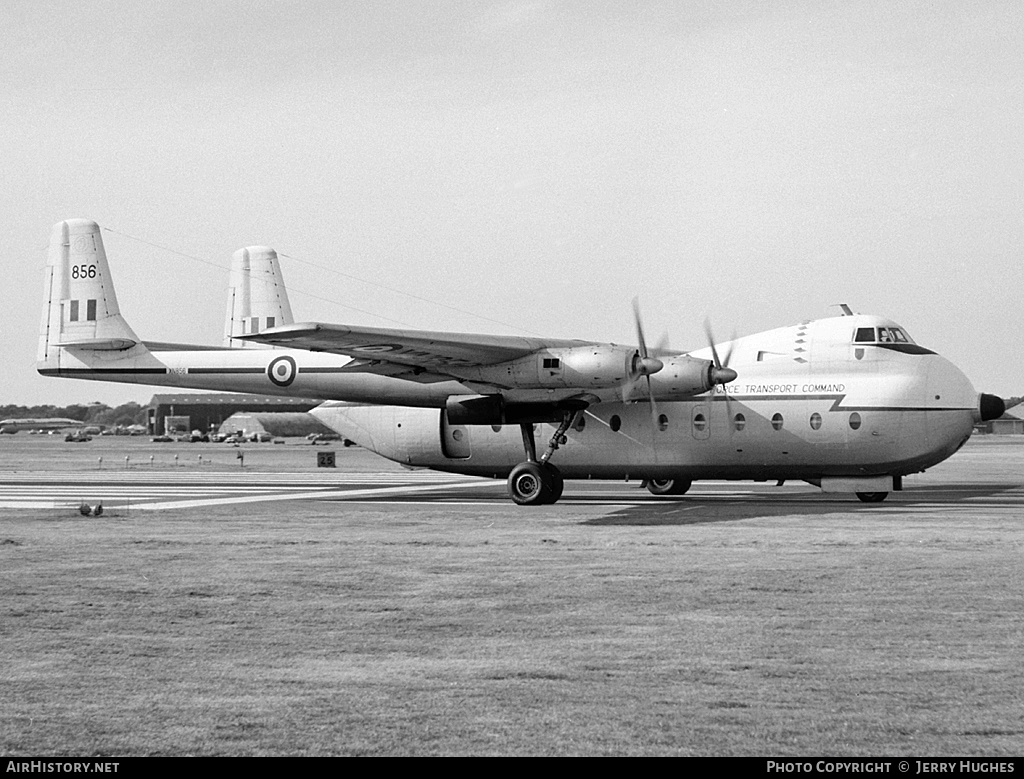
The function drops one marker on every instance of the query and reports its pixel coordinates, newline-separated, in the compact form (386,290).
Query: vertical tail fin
(257,298)
(80,308)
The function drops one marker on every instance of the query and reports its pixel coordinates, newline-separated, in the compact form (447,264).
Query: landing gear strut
(537,482)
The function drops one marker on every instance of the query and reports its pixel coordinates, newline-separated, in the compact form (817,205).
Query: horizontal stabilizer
(99,344)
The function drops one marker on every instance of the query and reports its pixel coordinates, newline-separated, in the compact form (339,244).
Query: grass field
(343,629)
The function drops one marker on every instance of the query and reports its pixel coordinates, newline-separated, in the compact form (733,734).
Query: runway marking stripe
(334,495)
(182,489)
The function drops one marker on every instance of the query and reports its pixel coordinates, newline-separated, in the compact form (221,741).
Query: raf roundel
(282,371)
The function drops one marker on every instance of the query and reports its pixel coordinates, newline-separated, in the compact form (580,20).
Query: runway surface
(283,608)
(158,491)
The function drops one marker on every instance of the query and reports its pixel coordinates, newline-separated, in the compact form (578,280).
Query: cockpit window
(882,335)
(891,335)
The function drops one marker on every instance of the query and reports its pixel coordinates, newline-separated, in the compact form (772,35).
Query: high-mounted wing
(433,351)
(499,363)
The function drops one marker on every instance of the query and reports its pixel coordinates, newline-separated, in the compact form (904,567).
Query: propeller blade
(654,420)
(645,365)
(728,411)
(639,328)
(721,373)
(663,346)
(711,343)
(728,353)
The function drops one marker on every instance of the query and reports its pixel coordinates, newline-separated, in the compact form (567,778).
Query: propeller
(643,363)
(720,373)
(644,366)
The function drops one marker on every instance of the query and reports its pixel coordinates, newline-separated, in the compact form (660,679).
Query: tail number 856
(83,271)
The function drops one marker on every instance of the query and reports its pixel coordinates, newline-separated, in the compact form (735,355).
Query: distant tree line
(92,414)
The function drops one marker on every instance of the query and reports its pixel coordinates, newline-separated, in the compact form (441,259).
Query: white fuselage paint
(914,410)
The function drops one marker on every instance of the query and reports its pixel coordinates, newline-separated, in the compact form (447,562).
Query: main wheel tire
(556,481)
(872,497)
(668,486)
(530,484)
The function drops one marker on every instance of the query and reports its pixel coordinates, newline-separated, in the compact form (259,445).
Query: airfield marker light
(127,460)
(175,461)
(151,461)
(99,463)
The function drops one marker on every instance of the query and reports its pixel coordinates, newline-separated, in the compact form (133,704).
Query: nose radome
(991,407)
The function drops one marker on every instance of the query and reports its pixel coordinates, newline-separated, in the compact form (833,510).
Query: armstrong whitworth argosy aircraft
(849,403)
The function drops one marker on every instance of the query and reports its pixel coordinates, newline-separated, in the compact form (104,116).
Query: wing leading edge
(434,351)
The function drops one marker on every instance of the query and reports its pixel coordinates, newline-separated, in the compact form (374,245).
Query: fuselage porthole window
(663,422)
(739,422)
(815,421)
(615,423)
(700,424)
(777,421)
(855,421)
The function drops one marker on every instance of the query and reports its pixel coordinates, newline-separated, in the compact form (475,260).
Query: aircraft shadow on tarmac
(698,510)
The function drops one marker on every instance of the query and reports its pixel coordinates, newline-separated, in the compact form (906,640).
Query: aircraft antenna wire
(331,301)
(408,294)
(290,288)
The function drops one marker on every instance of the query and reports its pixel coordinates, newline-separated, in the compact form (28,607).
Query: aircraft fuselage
(811,402)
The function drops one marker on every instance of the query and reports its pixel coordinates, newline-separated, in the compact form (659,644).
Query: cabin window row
(778,421)
(739,422)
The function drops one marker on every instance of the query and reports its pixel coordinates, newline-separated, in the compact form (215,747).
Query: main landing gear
(668,486)
(872,497)
(538,482)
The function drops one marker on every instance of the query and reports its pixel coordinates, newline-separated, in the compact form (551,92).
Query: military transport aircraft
(848,403)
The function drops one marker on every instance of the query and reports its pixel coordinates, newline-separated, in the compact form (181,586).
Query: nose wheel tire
(535,484)
(872,497)
(668,486)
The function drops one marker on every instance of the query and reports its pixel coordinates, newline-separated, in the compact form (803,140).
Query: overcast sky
(535,163)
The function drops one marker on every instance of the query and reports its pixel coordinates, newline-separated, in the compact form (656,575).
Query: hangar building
(208,411)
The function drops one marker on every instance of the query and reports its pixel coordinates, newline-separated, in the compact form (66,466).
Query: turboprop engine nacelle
(596,367)
(683,376)
(589,367)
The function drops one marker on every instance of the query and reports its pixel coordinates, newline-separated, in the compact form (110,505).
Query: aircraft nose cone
(991,406)
(724,375)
